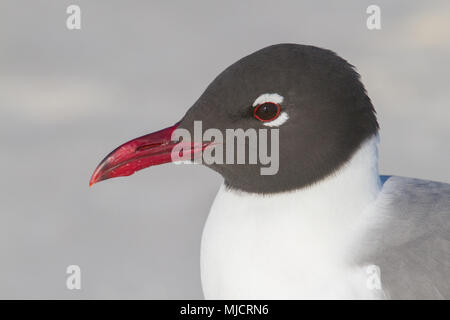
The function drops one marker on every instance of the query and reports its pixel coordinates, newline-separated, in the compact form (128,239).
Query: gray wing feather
(410,239)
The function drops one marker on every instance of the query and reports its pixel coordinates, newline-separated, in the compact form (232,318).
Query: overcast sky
(67,98)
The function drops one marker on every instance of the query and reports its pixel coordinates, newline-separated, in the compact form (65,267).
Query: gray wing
(410,239)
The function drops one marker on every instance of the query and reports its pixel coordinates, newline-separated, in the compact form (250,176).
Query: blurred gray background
(67,98)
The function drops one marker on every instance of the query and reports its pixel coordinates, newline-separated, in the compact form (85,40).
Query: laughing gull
(326,225)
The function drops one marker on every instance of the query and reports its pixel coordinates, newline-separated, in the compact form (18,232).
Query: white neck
(340,198)
(270,246)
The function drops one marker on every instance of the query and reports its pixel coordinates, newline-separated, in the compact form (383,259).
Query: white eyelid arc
(268,97)
(282,118)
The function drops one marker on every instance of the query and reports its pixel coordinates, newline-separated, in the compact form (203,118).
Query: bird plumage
(325,225)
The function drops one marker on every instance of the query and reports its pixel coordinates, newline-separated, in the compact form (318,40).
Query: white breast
(292,245)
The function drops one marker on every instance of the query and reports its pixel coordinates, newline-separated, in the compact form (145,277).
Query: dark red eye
(267,111)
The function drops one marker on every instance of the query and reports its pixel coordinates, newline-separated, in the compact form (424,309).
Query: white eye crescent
(282,118)
(268,97)
(272,98)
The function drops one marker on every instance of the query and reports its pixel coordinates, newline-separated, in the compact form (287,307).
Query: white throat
(293,244)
